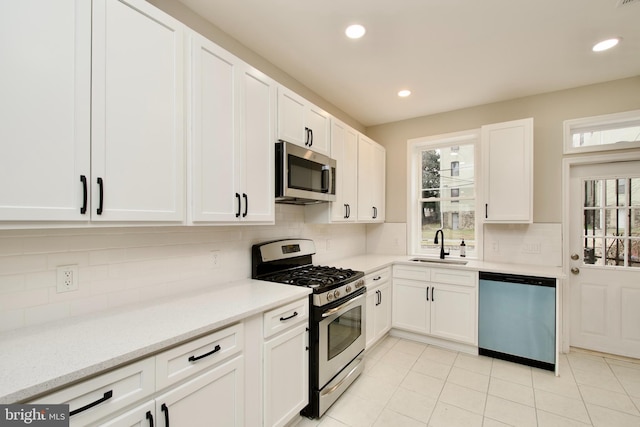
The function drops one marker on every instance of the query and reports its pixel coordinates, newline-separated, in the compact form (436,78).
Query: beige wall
(213,33)
(548,110)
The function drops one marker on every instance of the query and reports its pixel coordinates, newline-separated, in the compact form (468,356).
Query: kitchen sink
(440,261)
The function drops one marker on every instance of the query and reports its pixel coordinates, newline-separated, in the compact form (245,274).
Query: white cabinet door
(213,138)
(383,311)
(214,398)
(286,376)
(453,312)
(507,160)
(371,180)
(45,81)
(258,136)
(344,150)
(137,130)
(232,135)
(302,123)
(141,416)
(411,308)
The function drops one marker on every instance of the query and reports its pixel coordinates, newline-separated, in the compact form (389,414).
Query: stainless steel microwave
(303,176)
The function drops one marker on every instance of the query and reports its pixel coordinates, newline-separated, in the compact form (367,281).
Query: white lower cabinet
(215,397)
(378,320)
(286,363)
(436,301)
(141,416)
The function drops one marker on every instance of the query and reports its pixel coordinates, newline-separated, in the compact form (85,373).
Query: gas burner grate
(315,277)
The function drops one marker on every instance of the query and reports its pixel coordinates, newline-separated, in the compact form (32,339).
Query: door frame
(567,164)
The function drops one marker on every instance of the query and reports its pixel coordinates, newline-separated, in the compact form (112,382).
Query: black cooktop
(319,278)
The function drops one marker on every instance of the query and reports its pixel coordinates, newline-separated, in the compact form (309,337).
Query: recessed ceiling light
(355,31)
(605,44)
(404,93)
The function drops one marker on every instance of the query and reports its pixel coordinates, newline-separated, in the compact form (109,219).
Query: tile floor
(406,383)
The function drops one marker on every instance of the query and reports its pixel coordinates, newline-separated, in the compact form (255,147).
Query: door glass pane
(615,252)
(616,220)
(634,191)
(592,189)
(615,192)
(635,223)
(343,331)
(592,226)
(634,253)
(593,251)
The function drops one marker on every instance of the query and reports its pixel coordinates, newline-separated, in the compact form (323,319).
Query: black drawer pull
(246,205)
(295,313)
(164,408)
(83,209)
(107,395)
(239,203)
(194,358)
(101,187)
(150,418)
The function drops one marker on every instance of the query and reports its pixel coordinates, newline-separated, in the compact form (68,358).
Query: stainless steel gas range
(337,320)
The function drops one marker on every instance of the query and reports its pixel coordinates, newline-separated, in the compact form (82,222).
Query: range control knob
(329,296)
(336,294)
(347,289)
(359,284)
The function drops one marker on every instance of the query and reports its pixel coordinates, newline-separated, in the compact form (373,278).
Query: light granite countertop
(370,263)
(37,359)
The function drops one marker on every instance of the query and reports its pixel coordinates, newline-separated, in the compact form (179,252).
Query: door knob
(575,257)
(575,270)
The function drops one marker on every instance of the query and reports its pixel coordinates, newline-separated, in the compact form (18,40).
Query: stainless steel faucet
(435,240)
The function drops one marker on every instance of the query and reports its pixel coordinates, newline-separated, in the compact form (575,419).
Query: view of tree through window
(447,196)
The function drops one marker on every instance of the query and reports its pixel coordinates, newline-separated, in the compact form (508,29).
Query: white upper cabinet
(344,150)
(45,82)
(232,135)
(371,180)
(137,117)
(302,123)
(507,166)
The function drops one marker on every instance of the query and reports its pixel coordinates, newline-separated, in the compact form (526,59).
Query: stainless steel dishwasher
(517,319)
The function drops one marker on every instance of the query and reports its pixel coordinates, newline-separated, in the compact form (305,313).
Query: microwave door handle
(326,180)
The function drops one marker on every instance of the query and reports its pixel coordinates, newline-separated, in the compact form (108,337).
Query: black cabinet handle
(107,395)
(306,136)
(150,418)
(379,297)
(427,293)
(310,137)
(194,358)
(295,313)
(83,180)
(433,294)
(164,408)
(486,210)
(377,278)
(101,189)
(348,210)
(239,202)
(246,205)
(375,212)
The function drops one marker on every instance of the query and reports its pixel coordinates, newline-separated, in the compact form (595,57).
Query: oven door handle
(335,387)
(340,307)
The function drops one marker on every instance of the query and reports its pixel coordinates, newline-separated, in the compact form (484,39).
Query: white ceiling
(451,54)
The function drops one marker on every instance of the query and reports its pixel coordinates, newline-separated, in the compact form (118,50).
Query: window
(608,132)
(442,183)
(611,225)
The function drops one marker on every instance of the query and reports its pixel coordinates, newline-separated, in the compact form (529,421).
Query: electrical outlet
(67,278)
(495,246)
(215,258)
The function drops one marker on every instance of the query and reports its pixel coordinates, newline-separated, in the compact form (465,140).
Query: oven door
(341,336)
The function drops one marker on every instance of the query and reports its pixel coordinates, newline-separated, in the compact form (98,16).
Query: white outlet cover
(67,278)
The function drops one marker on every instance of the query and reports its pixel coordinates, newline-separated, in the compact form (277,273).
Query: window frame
(414,162)
(595,123)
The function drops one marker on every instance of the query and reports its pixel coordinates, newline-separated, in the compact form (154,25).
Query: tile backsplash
(121,266)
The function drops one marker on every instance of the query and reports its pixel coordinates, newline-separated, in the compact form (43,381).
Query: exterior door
(604,241)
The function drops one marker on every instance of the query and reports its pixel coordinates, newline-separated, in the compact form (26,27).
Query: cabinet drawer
(107,393)
(377,277)
(453,276)
(411,272)
(190,358)
(282,318)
